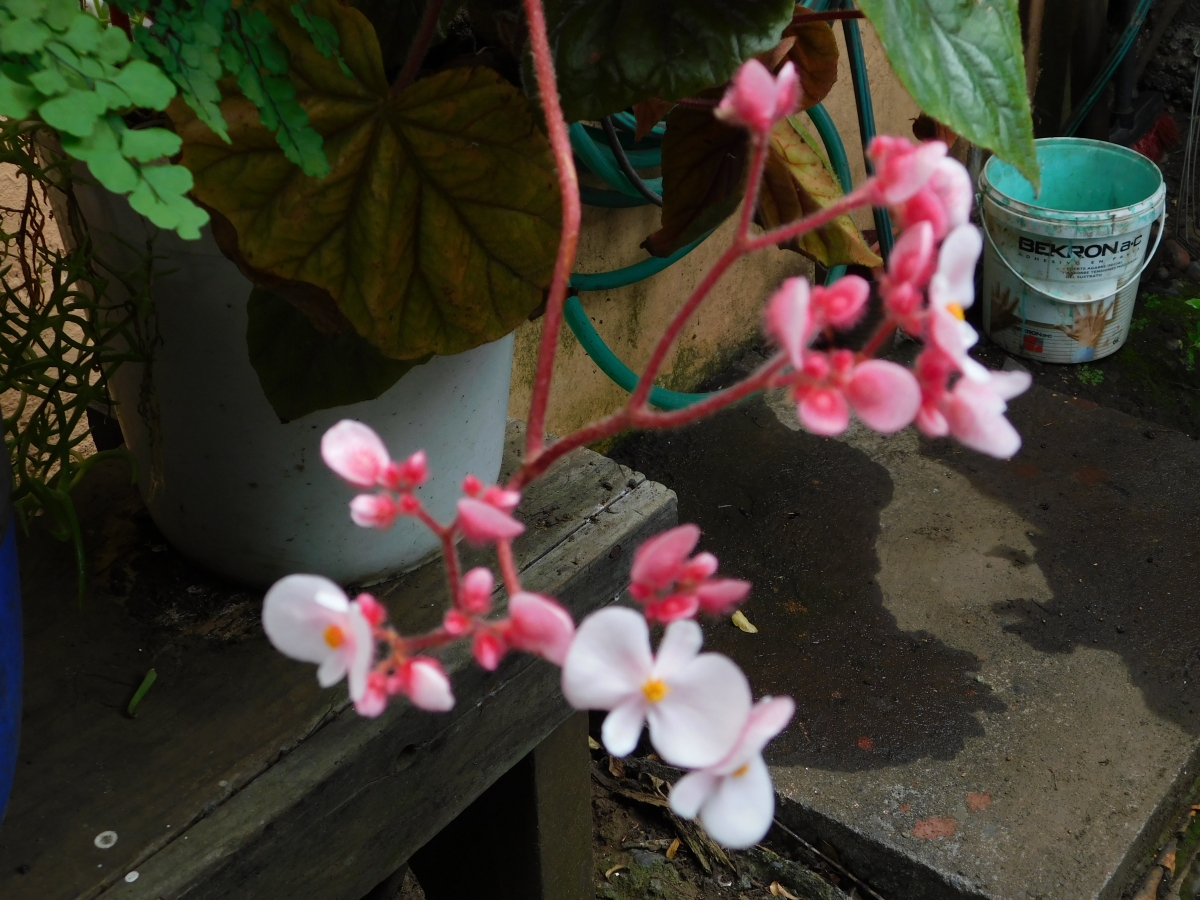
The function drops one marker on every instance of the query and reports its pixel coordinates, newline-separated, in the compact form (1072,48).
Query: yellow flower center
(655,689)
(334,636)
(957,311)
(741,770)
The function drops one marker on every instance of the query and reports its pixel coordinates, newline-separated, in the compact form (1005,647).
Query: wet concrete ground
(994,663)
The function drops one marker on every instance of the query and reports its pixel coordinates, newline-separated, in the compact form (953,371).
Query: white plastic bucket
(1061,269)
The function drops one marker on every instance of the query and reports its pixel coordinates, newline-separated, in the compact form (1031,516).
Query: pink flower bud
(373,510)
(355,452)
(374,700)
(472,486)
(901,167)
(482,523)
(408,504)
(502,499)
(406,476)
(719,596)
(538,625)
(755,100)
(488,649)
(456,622)
(373,611)
(656,563)
(699,567)
(671,608)
(475,592)
(842,304)
(423,680)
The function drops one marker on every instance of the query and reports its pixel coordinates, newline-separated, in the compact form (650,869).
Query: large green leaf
(962,62)
(610,54)
(302,370)
(435,230)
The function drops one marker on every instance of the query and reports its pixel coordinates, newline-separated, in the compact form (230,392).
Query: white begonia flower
(734,798)
(311,619)
(695,703)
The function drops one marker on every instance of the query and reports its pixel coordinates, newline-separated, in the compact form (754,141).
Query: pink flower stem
(568,184)
(436,638)
(508,567)
(646,418)
(758,161)
(419,47)
(538,463)
(853,200)
(882,333)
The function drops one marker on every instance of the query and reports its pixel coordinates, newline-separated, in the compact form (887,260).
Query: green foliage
(302,370)
(962,62)
(1089,376)
(610,54)
(59,342)
(62,66)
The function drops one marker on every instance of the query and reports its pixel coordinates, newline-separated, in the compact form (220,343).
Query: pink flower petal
(656,562)
(767,719)
(719,597)
(671,608)
(355,452)
(373,700)
(488,650)
(902,168)
(540,626)
(361,648)
(789,319)
(428,686)
(912,260)
(752,99)
(609,659)
(824,411)
(954,281)
(482,523)
(884,395)
(952,184)
(842,304)
(700,717)
(975,414)
(475,591)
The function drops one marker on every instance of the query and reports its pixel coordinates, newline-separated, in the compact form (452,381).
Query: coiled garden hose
(626,167)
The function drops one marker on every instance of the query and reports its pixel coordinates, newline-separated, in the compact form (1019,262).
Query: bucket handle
(1162,227)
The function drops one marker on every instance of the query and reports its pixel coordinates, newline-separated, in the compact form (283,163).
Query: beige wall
(630,319)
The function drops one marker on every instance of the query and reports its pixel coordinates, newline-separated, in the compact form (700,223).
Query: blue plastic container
(11,656)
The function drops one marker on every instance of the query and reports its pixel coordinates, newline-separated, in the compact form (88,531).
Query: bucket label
(1028,323)
(1070,259)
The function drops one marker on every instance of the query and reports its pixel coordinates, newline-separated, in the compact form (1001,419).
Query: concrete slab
(994,663)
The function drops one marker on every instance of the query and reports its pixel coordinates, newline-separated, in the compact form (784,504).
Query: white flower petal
(738,814)
(361,652)
(680,644)
(332,670)
(690,792)
(623,726)
(296,612)
(769,716)
(699,719)
(609,659)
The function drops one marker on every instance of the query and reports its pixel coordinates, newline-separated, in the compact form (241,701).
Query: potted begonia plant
(380,188)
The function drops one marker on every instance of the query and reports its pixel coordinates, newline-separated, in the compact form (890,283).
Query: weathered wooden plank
(220,714)
(337,815)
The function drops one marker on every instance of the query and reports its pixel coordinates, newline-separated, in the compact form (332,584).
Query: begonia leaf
(702,169)
(302,370)
(797,183)
(647,114)
(610,54)
(962,62)
(435,230)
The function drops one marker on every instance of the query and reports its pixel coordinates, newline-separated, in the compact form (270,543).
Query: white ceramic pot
(232,487)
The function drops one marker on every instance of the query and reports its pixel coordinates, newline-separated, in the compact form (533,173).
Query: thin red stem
(508,567)
(439,637)
(450,556)
(882,333)
(645,418)
(853,200)
(419,47)
(758,160)
(568,183)
(537,464)
(646,382)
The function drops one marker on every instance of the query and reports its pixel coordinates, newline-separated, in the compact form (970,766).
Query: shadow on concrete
(1114,505)
(798,515)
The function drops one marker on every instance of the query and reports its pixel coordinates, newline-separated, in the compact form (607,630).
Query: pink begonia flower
(670,586)
(933,370)
(424,682)
(909,269)
(884,395)
(355,452)
(952,290)
(405,476)
(373,611)
(373,511)
(974,412)
(901,167)
(535,624)
(797,311)
(374,699)
(734,798)
(483,515)
(475,591)
(756,101)
(695,703)
(944,202)
(841,305)
(309,618)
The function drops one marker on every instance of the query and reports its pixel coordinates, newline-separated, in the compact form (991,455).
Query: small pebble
(131,877)
(1193,271)
(105,839)
(1163,273)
